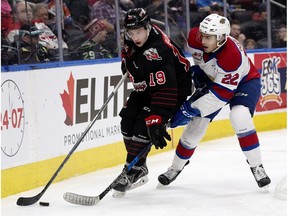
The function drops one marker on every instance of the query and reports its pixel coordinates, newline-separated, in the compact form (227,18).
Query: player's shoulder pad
(229,58)
(194,38)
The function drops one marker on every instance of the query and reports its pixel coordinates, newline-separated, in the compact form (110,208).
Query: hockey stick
(25,201)
(94,200)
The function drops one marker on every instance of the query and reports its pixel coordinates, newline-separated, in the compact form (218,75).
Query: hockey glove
(126,52)
(123,66)
(157,131)
(199,77)
(183,115)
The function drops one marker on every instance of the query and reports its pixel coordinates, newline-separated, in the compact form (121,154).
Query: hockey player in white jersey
(222,74)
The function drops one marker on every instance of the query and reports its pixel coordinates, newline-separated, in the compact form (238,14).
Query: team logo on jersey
(152,54)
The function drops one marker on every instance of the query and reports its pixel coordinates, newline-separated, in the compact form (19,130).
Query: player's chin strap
(220,43)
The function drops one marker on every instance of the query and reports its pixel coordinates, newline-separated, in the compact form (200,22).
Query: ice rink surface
(217,182)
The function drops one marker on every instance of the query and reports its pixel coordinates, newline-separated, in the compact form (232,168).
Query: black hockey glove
(157,131)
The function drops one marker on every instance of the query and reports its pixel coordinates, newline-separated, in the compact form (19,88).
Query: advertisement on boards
(273,69)
(44,112)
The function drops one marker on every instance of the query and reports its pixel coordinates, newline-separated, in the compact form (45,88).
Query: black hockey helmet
(136,18)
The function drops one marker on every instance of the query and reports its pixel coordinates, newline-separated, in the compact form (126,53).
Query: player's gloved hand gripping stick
(157,131)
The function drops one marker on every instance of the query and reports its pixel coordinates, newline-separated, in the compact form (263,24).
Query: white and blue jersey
(229,70)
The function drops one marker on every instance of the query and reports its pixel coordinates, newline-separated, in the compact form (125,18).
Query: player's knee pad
(241,119)
(194,131)
(243,125)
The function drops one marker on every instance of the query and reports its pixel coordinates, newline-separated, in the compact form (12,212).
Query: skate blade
(266,189)
(118,194)
(160,186)
(143,180)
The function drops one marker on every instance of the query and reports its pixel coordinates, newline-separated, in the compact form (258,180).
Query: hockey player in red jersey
(222,74)
(162,81)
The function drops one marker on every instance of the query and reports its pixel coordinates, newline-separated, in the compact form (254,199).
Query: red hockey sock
(183,152)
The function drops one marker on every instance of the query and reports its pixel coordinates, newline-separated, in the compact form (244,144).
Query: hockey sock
(182,154)
(243,125)
(134,148)
(250,146)
(248,140)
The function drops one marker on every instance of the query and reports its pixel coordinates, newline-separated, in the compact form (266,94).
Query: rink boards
(44,112)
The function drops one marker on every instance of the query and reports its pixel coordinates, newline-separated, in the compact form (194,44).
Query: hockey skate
(169,176)
(260,176)
(133,179)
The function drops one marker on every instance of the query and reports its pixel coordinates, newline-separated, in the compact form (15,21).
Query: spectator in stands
(6,17)
(78,9)
(8,52)
(41,13)
(155,9)
(210,6)
(204,5)
(257,27)
(216,8)
(83,20)
(30,50)
(92,48)
(281,37)
(142,3)
(126,4)
(90,3)
(105,10)
(67,19)
(249,44)
(48,38)
(235,31)
(70,28)
(261,15)
(22,14)
(193,5)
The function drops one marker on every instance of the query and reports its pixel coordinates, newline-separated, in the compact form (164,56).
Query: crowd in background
(29,29)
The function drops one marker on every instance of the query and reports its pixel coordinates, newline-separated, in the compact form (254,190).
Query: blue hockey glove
(199,77)
(183,115)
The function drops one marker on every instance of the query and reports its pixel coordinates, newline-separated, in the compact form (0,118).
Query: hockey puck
(44,203)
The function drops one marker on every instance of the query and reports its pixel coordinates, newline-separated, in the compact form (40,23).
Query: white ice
(217,182)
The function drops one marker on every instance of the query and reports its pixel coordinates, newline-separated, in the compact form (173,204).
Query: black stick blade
(25,201)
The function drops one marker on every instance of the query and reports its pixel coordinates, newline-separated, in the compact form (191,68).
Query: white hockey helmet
(215,24)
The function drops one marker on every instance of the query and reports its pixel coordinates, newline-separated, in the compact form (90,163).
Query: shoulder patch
(229,58)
